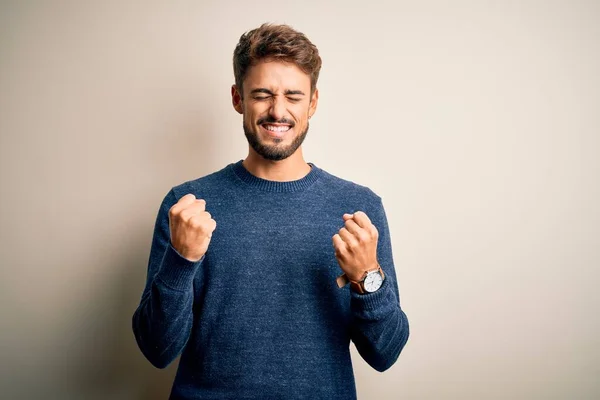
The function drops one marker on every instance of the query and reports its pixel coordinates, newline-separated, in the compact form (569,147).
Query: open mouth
(276,130)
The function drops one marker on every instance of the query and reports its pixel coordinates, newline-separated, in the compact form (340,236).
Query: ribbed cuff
(372,305)
(176,271)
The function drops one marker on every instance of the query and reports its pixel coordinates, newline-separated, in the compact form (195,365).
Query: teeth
(274,128)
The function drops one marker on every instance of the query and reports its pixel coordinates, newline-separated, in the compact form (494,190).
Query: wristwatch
(370,282)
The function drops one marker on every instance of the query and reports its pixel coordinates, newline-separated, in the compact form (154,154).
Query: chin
(270,146)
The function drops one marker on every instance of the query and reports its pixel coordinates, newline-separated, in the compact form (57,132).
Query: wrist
(371,280)
(360,274)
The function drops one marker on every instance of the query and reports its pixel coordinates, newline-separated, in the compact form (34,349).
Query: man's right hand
(191,227)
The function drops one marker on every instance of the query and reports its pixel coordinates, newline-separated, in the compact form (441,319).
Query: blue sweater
(260,315)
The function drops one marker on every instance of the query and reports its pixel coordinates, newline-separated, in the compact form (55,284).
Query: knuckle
(187,199)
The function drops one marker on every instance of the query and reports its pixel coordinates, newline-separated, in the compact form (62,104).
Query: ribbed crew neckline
(276,186)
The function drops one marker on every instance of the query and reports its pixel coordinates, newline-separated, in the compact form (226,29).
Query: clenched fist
(191,227)
(356,245)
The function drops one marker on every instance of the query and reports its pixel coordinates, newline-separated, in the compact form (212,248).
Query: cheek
(256,113)
(301,118)
(250,117)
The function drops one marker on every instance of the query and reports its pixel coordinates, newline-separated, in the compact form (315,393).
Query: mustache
(271,120)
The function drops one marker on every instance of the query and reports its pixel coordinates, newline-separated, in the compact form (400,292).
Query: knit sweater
(260,315)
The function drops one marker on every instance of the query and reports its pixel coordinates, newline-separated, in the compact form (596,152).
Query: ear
(236,99)
(312,108)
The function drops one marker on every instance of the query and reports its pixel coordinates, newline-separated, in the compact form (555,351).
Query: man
(248,265)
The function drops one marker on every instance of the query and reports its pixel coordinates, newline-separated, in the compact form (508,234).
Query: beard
(274,152)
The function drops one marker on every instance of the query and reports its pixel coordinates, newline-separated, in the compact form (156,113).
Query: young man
(248,265)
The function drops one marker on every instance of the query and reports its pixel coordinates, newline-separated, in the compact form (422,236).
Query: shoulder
(355,190)
(354,196)
(206,183)
(200,187)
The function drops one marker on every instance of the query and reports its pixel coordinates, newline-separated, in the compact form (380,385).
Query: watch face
(373,281)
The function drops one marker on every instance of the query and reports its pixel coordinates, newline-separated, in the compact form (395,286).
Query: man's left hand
(356,245)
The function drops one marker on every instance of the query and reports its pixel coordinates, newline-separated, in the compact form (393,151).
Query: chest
(283,241)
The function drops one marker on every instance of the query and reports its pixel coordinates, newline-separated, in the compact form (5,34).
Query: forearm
(379,327)
(163,320)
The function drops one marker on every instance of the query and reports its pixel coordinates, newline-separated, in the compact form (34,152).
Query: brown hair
(279,42)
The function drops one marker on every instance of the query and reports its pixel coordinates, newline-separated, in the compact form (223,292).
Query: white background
(476,121)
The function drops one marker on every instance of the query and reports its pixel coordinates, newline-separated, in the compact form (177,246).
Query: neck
(290,169)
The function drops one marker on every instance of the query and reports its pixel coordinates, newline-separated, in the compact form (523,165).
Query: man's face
(276,107)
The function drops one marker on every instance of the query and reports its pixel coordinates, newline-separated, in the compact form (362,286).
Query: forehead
(276,76)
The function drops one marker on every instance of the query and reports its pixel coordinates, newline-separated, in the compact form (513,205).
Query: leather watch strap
(357,286)
(343,280)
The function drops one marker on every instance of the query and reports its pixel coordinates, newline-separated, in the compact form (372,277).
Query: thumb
(347,216)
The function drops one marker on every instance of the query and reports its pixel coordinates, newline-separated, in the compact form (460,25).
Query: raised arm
(163,320)
(379,327)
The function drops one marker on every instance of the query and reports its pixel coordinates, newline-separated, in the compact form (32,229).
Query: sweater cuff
(176,271)
(374,305)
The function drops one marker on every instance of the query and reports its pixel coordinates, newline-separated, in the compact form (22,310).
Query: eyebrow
(287,92)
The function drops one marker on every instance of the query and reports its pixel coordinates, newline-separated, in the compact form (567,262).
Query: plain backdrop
(477,122)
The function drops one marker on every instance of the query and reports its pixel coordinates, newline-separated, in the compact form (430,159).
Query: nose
(277,110)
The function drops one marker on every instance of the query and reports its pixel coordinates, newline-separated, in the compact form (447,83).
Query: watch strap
(342,280)
(358,286)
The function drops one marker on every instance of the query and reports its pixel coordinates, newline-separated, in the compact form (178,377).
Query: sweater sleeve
(162,321)
(379,327)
